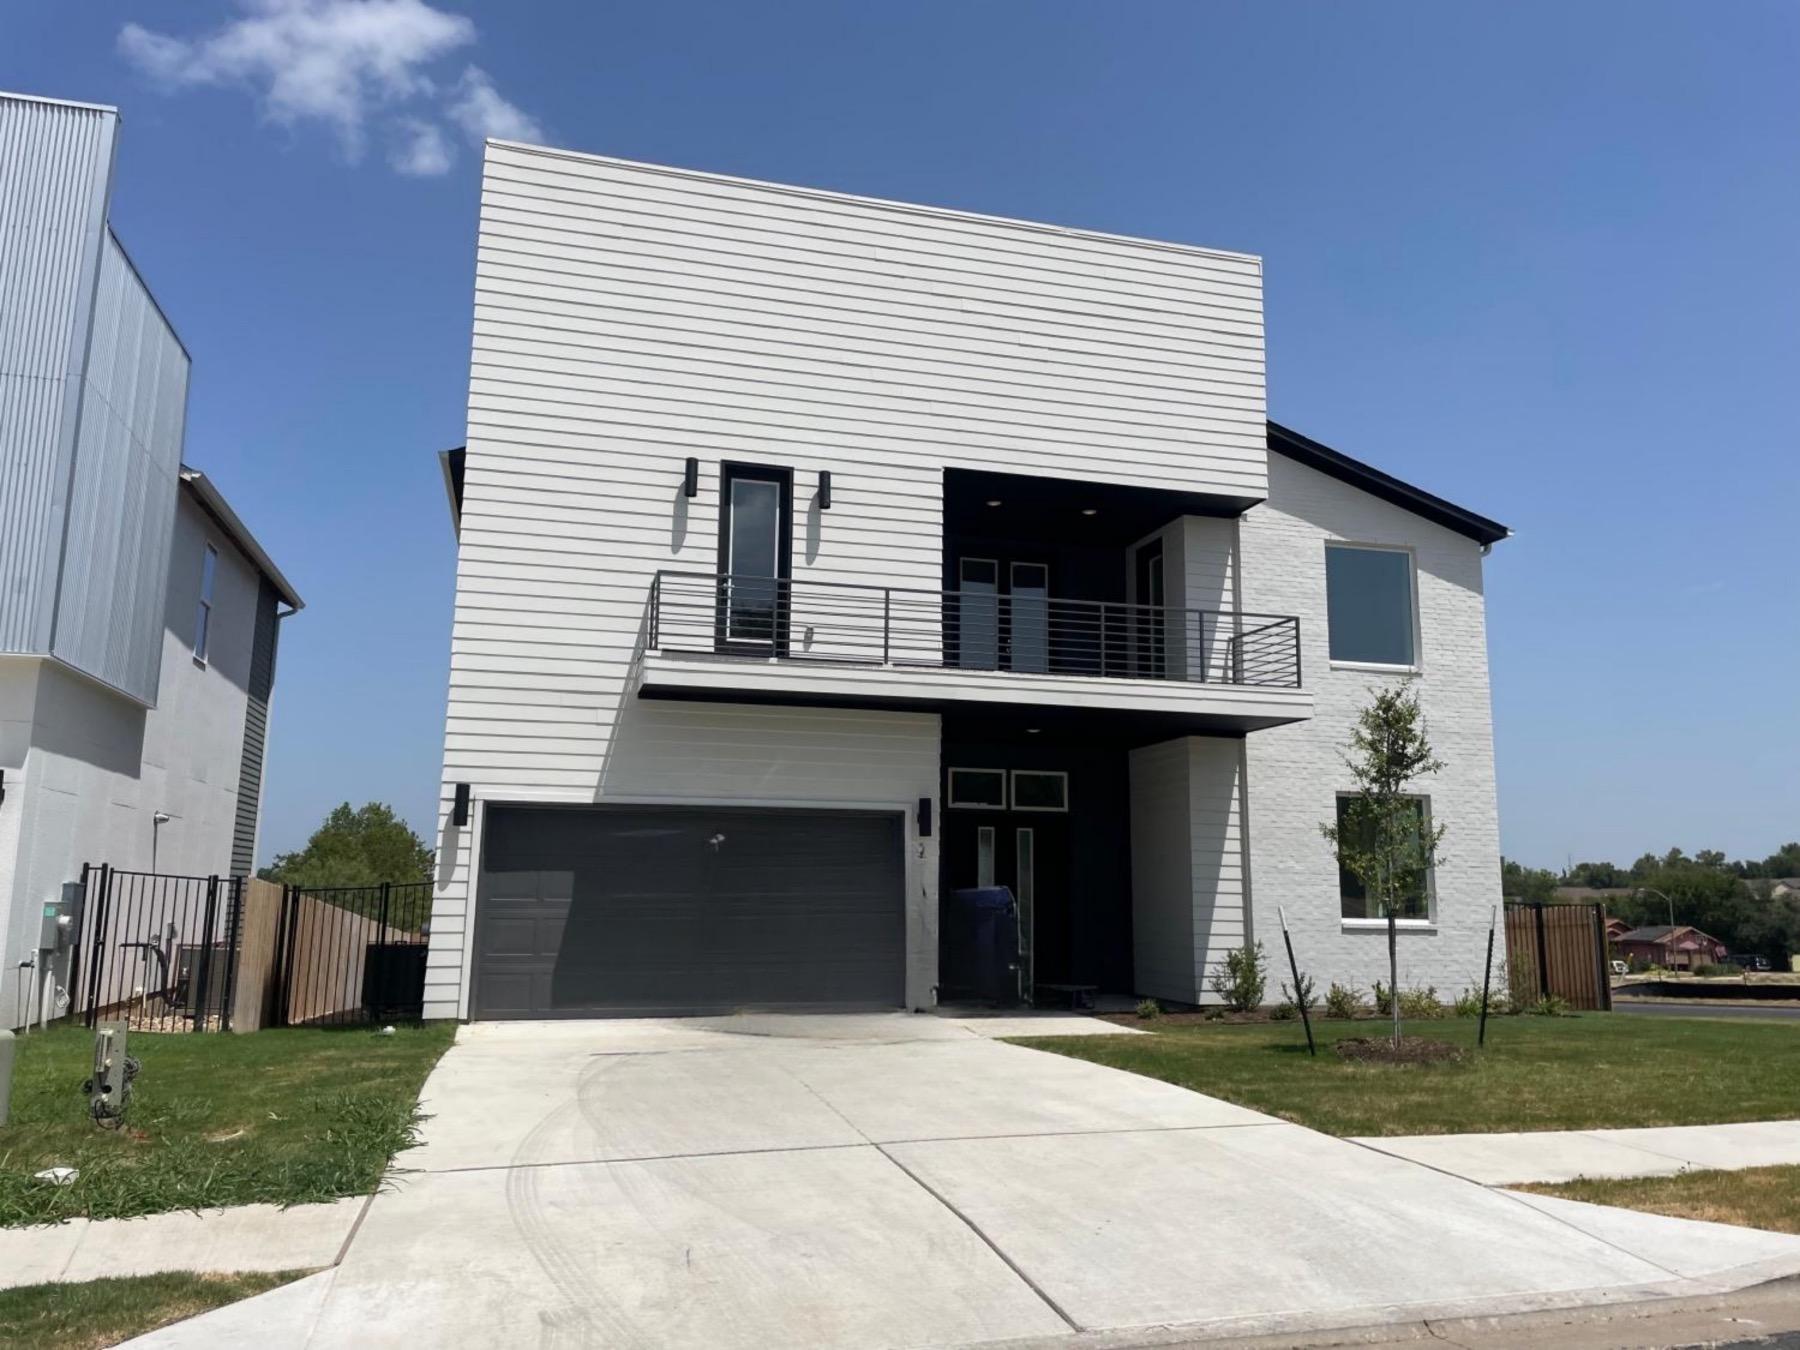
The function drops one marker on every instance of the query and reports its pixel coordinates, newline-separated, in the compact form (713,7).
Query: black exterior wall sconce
(459,813)
(825,489)
(924,817)
(690,481)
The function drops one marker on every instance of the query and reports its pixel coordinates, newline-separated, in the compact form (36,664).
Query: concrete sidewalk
(1517,1159)
(243,1238)
(893,1181)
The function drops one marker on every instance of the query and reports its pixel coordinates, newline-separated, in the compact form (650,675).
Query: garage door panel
(601,910)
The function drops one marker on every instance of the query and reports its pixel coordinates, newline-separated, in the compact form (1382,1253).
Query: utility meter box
(61,919)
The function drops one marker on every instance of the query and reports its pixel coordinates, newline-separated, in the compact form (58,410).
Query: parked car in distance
(1619,969)
(1747,961)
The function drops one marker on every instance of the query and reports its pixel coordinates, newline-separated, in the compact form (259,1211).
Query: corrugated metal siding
(256,730)
(55,163)
(122,500)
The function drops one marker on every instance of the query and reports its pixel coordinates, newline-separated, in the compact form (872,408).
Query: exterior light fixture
(824,489)
(690,482)
(1090,510)
(924,817)
(993,501)
(459,814)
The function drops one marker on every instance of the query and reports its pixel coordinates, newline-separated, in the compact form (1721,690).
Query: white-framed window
(981,789)
(1040,790)
(209,566)
(1416,906)
(1371,606)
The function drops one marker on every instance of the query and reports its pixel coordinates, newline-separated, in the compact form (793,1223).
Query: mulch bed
(1411,1050)
(1215,1016)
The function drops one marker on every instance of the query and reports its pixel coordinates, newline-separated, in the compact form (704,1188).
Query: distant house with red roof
(1673,948)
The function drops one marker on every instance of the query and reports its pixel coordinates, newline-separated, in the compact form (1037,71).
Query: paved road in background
(1698,1009)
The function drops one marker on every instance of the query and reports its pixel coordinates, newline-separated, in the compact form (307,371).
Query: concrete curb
(225,1241)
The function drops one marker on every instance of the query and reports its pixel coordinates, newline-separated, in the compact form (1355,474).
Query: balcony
(821,643)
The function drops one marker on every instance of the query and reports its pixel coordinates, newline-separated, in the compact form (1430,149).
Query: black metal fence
(847,624)
(157,952)
(350,954)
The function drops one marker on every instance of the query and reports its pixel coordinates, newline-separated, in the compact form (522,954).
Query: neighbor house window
(985,788)
(1039,790)
(1369,603)
(209,565)
(1415,901)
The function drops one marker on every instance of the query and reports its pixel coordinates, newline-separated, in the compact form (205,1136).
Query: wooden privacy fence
(1558,950)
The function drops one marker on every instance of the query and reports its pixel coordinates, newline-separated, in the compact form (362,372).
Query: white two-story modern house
(822,558)
(138,616)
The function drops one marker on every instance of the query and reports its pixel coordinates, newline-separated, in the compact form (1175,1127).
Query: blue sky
(1539,258)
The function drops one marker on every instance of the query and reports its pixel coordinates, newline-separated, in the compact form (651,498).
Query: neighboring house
(138,617)
(1674,948)
(1616,928)
(1784,887)
(821,557)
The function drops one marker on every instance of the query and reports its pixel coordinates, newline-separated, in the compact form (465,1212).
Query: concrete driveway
(910,1181)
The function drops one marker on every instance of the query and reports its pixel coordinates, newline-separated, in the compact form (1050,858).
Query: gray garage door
(618,910)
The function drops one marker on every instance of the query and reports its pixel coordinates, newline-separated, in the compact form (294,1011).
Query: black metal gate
(347,954)
(157,952)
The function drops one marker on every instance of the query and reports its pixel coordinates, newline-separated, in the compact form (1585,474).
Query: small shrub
(1468,1003)
(1343,1002)
(1384,999)
(1420,1003)
(1149,1009)
(1551,1005)
(1243,978)
(1307,997)
(1283,1012)
(1711,970)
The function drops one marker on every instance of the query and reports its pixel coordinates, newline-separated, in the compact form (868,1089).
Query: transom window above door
(984,789)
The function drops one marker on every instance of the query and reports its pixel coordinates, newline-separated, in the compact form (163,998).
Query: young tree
(355,847)
(1382,837)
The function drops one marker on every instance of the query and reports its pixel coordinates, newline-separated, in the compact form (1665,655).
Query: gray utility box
(62,919)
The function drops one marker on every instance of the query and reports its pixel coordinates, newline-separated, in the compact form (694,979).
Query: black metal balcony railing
(847,624)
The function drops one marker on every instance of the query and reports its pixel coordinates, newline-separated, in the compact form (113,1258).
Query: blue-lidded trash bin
(978,947)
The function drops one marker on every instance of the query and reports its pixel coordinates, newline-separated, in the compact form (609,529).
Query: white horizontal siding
(627,317)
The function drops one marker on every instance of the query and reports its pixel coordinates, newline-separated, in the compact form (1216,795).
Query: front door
(1022,845)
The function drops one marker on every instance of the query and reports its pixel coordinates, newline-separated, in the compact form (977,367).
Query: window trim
(1417,665)
(950,789)
(1012,791)
(1427,920)
(203,613)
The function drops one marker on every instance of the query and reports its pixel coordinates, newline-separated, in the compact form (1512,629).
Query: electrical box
(61,919)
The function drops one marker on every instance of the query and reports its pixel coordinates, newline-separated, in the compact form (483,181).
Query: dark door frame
(731,472)
(1152,625)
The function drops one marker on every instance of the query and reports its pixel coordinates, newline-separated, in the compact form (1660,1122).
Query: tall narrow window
(209,565)
(755,554)
(984,856)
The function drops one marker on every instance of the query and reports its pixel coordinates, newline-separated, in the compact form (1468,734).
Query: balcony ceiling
(1032,507)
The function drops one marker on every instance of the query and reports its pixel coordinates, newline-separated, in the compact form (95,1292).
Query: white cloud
(476,107)
(422,150)
(345,64)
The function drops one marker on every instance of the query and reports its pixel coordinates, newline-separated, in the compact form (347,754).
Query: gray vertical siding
(55,167)
(122,497)
(256,729)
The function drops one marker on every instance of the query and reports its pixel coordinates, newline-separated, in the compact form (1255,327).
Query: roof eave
(1315,455)
(220,509)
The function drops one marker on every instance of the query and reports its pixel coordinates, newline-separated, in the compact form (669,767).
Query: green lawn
(1537,1073)
(1756,1197)
(282,1117)
(105,1312)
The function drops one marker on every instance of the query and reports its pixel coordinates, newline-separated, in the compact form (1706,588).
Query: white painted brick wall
(1295,772)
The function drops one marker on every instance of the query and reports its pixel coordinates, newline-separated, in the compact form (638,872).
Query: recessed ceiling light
(993,501)
(1090,510)
(1032,731)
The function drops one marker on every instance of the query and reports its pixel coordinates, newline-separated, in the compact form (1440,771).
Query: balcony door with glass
(1003,615)
(755,558)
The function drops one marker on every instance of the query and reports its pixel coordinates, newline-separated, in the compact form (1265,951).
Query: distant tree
(1709,857)
(1518,882)
(1599,875)
(361,846)
(1384,840)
